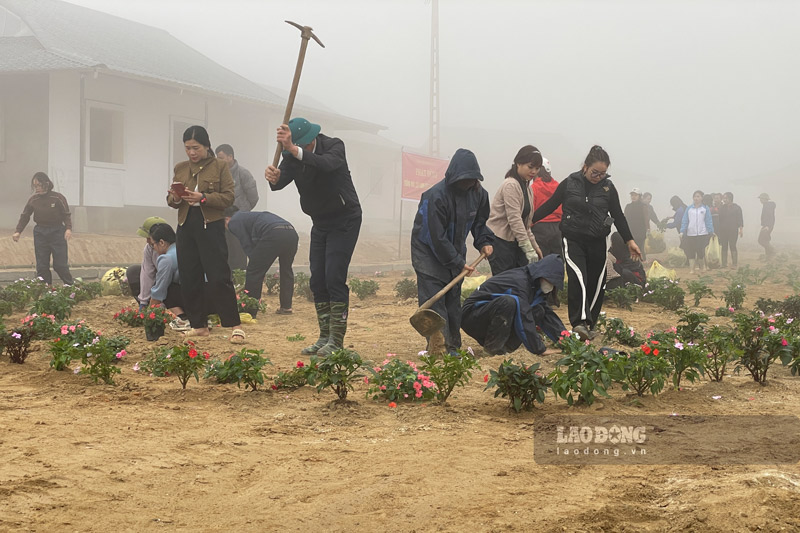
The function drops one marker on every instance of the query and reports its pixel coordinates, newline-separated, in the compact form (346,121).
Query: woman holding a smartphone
(202,188)
(590,207)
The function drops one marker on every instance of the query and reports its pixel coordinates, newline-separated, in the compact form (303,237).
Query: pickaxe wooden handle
(306,33)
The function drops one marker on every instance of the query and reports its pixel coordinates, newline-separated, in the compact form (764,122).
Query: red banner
(420,173)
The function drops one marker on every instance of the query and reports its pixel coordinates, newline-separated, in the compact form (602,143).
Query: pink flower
(72,328)
(136,367)
(469,351)
(300,364)
(383,387)
(784,342)
(418,394)
(405,395)
(366,380)
(121,354)
(417,385)
(64,329)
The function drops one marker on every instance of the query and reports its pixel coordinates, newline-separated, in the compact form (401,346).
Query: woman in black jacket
(590,207)
(731,227)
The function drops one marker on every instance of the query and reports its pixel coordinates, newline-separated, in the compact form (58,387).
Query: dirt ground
(145,455)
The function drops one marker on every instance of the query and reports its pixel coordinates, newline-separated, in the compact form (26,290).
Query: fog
(682,94)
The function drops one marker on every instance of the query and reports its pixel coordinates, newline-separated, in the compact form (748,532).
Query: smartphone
(178,188)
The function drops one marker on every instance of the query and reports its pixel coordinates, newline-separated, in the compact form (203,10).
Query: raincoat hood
(551,268)
(463,166)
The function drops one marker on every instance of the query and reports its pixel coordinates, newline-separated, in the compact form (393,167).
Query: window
(177,152)
(106,135)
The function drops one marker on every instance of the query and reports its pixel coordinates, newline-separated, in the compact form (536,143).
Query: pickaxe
(306,33)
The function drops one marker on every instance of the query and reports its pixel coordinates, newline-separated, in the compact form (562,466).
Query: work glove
(530,253)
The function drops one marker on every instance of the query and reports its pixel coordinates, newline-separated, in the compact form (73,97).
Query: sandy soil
(145,455)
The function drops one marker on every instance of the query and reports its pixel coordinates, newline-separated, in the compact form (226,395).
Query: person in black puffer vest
(590,207)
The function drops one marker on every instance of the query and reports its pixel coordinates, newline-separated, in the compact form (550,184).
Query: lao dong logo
(601,435)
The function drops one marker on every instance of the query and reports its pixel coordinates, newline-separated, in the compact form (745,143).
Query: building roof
(66,36)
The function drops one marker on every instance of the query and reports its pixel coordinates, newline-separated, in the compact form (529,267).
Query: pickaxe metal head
(307,32)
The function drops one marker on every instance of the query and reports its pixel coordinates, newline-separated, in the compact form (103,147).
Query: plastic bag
(469,285)
(676,257)
(713,253)
(112,282)
(657,270)
(654,244)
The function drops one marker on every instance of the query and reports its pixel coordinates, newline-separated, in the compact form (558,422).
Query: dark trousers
(47,241)
(728,239)
(586,276)
(695,246)
(764,239)
(133,274)
(280,243)
(237,259)
(329,256)
(174,296)
(448,306)
(492,324)
(506,255)
(203,255)
(548,237)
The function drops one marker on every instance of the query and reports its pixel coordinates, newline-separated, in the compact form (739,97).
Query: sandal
(237,336)
(197,332)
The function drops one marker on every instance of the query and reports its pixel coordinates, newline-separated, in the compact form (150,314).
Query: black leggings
(695,246)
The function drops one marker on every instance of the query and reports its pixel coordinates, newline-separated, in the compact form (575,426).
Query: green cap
(144,231)
(303,131)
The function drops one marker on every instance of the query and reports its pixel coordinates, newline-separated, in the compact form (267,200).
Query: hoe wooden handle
(452,284)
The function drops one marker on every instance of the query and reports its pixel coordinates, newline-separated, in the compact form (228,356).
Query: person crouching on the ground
(505,310)
(317,165)
(731,228)
(446,213)
(265,237)
(621,269)
(166,288)
(510,214)
(52,231)
(590,207)
(696,230)
(141,277)
(202,251)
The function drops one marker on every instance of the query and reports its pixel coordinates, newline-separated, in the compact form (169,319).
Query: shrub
(364,288)
(73,342)
(734,295)
(762,339)
(587,371)
(691,325)
(617,331)
(54,303)
(293,379)
(699,289)
(6,308)
(720,348)
(99,358)
(241,367)
(664,292)
(449,371)
(81,291)
(406,288)
(155,364)
(297,337)
(248,304)
(336,371)
(18,343)
(302,286)
(43,327)
(396,380)
(522,385)
(129,316)
(724,311)
(184,361)
(643,369)
(688,360)
(22,291)
(625,296)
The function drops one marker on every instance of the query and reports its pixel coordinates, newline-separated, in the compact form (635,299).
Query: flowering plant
(23,291)
(664,292)
(81,291)
(42,326)
(54,303)
(734,295)
(691,325)
(643,369)
(131,317)
(406,288)
(155,364)
(617,331)
(99,358)
(522,385)
(244,366)
(720,349)
(273,283)
(687,359)
(624,296)
(185,361)
(248,304)
(396,380)
(699,289)
(18,343)
(763,339)
(449,371)
(336,371)
(155,319)
(364,287)
(293,379)
(71,344)
(587,371)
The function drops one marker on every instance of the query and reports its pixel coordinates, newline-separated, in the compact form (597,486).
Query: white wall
(64,134)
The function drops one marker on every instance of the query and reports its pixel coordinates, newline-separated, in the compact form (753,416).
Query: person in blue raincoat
(504,312)
(447,212)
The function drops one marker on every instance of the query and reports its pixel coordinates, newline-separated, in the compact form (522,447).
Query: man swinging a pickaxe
(317,165)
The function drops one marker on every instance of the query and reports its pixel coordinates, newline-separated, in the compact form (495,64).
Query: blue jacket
(523,284)
(446,214)
(166,273)
(253,226)
(691,224)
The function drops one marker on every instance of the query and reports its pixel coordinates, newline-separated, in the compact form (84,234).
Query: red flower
(300,364)
(206,355)
(192,353)
(152,314)
(646,349)
(274,387)
(392,405)
(486,378)
(653,342)
(655,352)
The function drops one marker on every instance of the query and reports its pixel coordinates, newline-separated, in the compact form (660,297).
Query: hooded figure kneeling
(505,311)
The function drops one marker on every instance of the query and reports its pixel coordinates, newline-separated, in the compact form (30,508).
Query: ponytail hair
(199,134)
(44,180)
(597,154)
(527,154)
